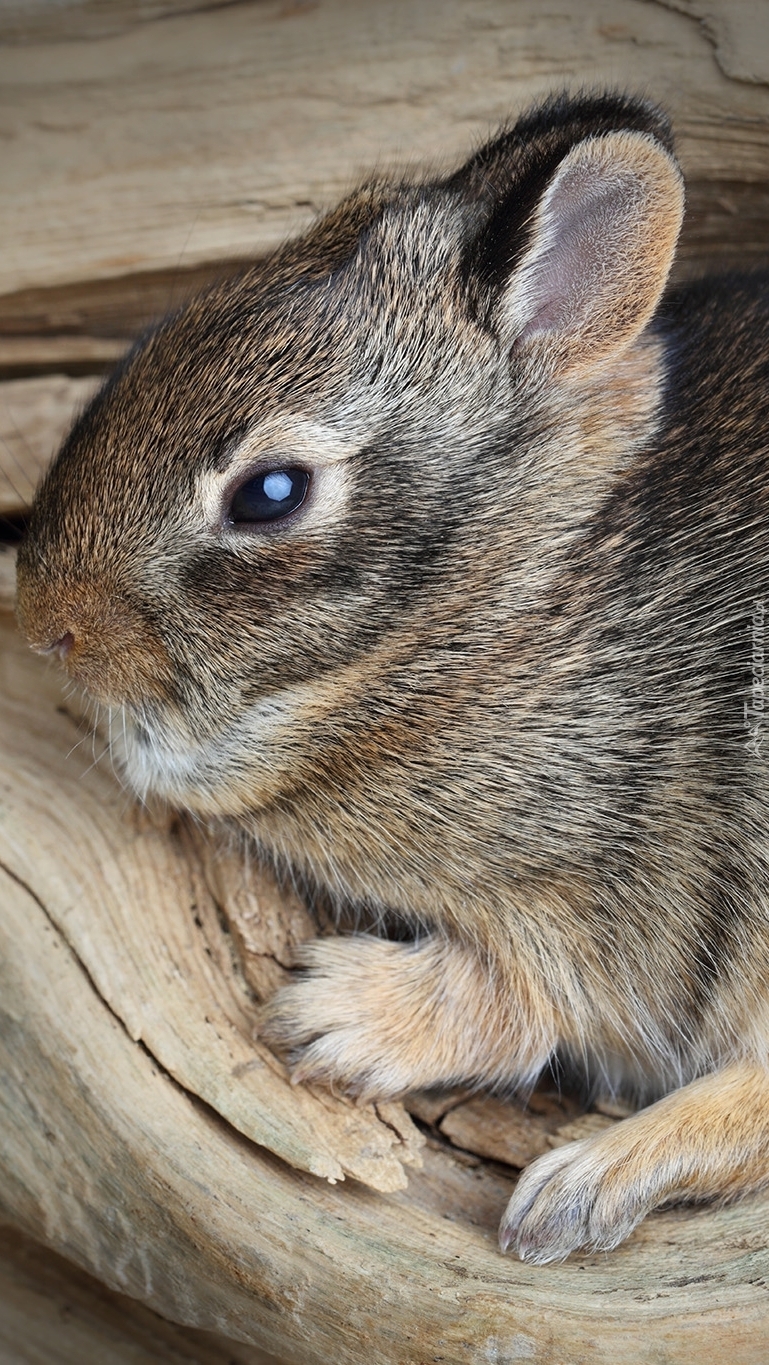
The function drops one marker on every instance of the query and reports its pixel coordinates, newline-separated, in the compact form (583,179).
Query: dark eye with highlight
(268,496)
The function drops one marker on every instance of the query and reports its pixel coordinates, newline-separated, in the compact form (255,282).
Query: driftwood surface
(145,1133)
(54,1314)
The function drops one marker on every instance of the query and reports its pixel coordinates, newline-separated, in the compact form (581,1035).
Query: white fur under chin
(155,767)
(211,775)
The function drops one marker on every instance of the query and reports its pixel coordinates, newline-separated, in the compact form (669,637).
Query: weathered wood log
(35,414)
(51,1313)
(156,139)
(145,1133)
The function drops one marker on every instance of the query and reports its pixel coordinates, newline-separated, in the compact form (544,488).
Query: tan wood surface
(35,415)
(204,133)
(51,1313)
(145,1133)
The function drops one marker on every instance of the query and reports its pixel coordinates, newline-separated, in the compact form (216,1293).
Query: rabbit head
(354,452)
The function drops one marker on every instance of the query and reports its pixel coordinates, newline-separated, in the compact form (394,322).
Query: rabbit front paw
(588,1195)
(706,1141)
(562,1203)
(378,1019)
(344,1022)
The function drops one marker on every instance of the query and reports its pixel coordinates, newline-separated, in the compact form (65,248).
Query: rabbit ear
(600,246)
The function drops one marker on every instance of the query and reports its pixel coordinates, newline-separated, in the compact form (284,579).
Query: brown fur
(115,653)
(493,677)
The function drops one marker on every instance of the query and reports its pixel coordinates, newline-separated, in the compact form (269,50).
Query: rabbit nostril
(62,647)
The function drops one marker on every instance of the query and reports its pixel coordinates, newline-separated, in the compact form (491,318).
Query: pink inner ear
(588,228)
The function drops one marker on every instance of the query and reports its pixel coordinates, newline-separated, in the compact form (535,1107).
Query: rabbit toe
(571,1199)
(335,1025)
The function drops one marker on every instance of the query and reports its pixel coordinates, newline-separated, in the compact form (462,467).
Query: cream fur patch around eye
(283,443)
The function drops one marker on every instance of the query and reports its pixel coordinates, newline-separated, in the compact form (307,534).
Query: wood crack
(738,35)
(20,882)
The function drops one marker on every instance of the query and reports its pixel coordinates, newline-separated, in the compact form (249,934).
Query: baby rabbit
(433,552)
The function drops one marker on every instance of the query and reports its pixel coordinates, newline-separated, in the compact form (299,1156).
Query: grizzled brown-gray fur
(433,552)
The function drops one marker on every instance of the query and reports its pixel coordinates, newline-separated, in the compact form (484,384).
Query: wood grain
(35,415)
(211,135)
(51,1313)
(28,355)
(509,1133)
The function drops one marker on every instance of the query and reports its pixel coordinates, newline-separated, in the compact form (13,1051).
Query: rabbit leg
(379,1018)
(709,1140)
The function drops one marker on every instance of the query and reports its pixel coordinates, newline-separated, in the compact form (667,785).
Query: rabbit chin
(226,772)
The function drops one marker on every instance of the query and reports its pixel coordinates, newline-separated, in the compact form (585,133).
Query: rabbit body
(501,671)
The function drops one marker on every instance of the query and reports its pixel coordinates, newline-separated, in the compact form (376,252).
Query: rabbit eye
(268,496)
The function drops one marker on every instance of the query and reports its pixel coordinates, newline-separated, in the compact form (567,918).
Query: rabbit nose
(104,642)
(61,647)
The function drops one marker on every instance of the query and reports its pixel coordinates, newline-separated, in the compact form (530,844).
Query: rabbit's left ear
(600,246)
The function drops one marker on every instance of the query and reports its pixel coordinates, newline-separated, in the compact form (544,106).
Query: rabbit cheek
(102,640)
(159,762)
(226,759)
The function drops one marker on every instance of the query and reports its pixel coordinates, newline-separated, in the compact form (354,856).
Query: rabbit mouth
(158,760)
(229,771)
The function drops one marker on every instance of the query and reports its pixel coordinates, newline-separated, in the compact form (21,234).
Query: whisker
(20,467)
(177,273)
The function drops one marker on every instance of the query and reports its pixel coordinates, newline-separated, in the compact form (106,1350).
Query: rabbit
(432,552)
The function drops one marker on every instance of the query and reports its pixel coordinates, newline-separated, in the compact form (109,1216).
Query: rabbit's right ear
(580,278)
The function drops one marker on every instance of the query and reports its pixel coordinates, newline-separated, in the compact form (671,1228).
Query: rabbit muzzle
(102,640)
